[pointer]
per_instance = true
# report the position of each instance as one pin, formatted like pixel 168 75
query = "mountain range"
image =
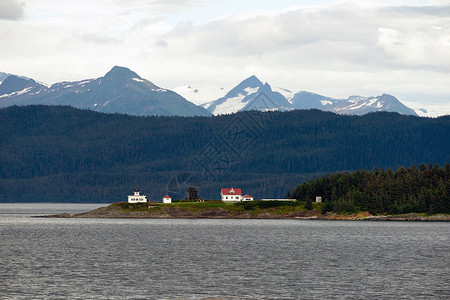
pixel 119 91
pixel 252 94
pixel 123 91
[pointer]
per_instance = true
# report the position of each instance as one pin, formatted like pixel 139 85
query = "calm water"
pixel 237 259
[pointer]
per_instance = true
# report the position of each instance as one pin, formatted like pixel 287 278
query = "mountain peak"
pixel 252 81
pixel 266 88
pixel 14 83
pixel 388 97
pixel 121 72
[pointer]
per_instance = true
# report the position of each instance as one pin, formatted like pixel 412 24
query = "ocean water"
pixel 44 258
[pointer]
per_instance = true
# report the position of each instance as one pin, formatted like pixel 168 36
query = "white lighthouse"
pixel 137 197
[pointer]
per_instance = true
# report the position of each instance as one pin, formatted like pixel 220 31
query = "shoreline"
pixel 177 212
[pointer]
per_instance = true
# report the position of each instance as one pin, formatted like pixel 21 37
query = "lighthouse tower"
pixel 137 197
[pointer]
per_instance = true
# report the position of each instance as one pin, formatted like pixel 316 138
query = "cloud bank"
pixel 11 10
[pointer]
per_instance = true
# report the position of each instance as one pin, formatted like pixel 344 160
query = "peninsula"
pixel 239 210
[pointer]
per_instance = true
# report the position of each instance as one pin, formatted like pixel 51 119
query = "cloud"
pixel 398 37
pixel 158 6
pixel 11 10
pixel 434 11
pixel 439 2
pixel 97 39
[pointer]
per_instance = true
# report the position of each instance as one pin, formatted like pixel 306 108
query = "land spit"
pixel 174 211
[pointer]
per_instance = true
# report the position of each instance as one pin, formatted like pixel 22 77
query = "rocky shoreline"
pixel 171 212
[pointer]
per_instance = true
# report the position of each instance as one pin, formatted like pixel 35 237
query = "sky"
pixel 333 48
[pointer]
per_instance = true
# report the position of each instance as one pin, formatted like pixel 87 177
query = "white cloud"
pixel 11 10
pixel 351 34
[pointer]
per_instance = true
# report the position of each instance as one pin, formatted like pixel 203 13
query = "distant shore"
pixel 184 211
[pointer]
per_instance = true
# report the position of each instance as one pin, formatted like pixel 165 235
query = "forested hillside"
pixel 53 153
pixel 423 189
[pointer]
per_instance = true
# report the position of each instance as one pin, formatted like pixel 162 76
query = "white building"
pixel 288 200
pixel 247 198
pixel 167 199
pixel 231 195
pixel 137 198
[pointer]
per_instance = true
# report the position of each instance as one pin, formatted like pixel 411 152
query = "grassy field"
pixel 240 210
pixel 250 207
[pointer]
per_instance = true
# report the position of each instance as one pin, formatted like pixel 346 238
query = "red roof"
pixel 248 196
pixel 231 192
pixel 166 196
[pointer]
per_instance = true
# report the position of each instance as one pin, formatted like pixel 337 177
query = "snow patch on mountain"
pixel 372 102
pixel 159 90
pixel 25 90
pixel 326 102
pixel 84 82
pixel 200 96
pixel 231 105
pixel 431 111
pixel 285 92
pixel 250 90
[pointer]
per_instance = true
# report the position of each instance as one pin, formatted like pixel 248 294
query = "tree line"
pixel 59 153
pixel 422 189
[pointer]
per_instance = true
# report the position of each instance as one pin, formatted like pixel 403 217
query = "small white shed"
pixel 167 199
pixel 247 198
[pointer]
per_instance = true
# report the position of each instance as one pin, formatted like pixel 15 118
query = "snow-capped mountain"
pixel 358 105
pixel 252 94
pixel 307 100
pixel 123 91
pixel 14 86
pixel 353 105
pixel 3 76
pixel 119 91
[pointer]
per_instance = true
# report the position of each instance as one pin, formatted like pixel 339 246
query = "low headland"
pixel 239 210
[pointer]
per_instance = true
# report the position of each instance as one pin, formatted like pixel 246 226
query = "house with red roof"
pixel 234 195
pixel 231 195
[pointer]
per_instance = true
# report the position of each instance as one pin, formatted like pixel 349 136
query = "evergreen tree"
pixel 308 203
pixel 192 194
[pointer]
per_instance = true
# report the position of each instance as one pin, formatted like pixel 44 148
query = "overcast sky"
pixel 334 48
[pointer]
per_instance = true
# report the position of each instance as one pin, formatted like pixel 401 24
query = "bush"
pixel 249 205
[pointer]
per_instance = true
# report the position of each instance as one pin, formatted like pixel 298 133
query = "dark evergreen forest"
pixel 425 189
pixel 57 153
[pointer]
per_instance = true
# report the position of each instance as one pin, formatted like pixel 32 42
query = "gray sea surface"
pixel 43 258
